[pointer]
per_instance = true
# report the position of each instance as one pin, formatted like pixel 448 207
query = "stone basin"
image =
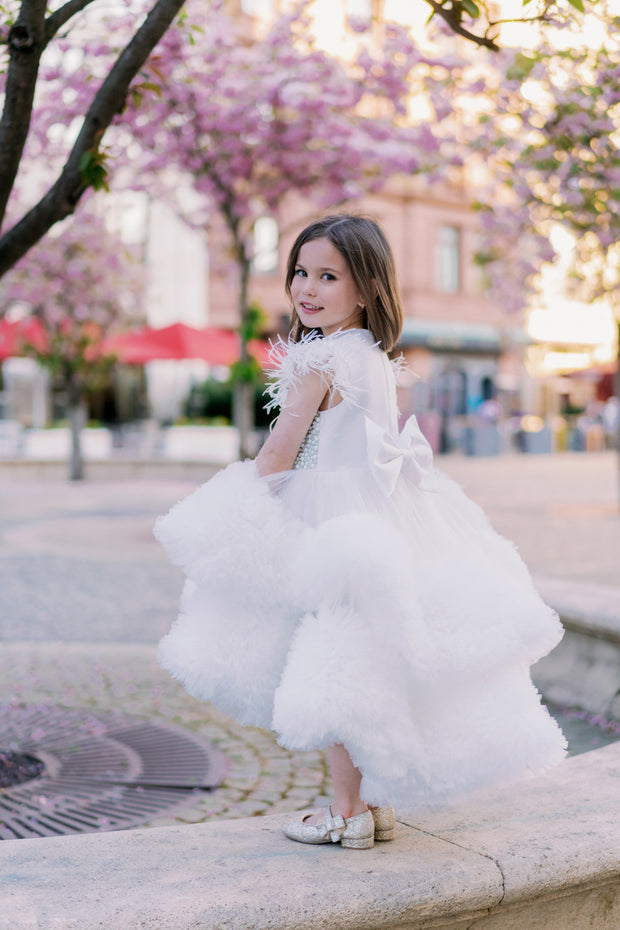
pixel 543 855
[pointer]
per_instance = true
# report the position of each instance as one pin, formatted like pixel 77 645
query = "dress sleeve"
pixel 334 358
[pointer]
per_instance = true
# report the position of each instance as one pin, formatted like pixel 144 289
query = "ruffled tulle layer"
pixel 403 627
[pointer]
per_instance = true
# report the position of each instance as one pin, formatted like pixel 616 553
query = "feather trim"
pixel 332 357
pixel 403 374
pixel 399 365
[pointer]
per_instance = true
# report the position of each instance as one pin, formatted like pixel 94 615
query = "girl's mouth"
pixel 310 308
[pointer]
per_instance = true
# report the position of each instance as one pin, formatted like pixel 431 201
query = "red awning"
pixel 212 345
pixel 179 341
pixel 14 335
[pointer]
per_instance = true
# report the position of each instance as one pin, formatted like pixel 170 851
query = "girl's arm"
pixel 303 400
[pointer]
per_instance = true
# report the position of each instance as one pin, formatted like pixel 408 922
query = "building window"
pixel 266 240
pixel 448 260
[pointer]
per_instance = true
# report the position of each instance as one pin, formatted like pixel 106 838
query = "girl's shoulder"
pixel 339 357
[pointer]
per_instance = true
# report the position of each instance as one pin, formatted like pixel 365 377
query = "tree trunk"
pixel 617 394
pixel 76 413
pixel 244 391
pixel 26 42
pixel 242 415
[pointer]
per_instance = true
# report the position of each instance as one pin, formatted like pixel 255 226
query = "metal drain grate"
pixel 102 771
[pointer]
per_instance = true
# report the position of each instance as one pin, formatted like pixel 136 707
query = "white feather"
pixel 333 357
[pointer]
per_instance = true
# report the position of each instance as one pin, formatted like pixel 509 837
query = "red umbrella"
pixel 13 336
pixel 179 341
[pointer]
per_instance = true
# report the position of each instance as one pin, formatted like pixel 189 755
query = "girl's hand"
pixel 281 448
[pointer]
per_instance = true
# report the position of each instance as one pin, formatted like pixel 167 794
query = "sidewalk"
pixel 85 593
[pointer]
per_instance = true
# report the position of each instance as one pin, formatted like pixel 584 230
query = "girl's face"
pixel 323 291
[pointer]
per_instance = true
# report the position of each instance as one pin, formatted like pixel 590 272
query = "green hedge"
pixel 213 399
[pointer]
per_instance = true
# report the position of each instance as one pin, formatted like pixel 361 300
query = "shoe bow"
pixel 334 826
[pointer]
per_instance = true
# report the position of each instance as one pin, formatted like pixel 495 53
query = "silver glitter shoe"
pixel 385 822
pixel 353 832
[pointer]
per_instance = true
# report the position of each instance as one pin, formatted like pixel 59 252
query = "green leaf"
pixel 471 8
pixel 484 258
pixel 149 85
pixel 93 170
pixel 578 5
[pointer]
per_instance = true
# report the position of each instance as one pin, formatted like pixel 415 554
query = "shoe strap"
pixel 334 826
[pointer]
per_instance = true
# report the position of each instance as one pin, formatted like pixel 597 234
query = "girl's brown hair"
pixel 363 245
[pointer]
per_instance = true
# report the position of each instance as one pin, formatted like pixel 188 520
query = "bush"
pixel 214 399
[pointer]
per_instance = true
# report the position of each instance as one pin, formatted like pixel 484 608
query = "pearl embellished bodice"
pixel 308 455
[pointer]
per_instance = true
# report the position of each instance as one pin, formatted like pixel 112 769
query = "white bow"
pixel 408 452
pixel 334 825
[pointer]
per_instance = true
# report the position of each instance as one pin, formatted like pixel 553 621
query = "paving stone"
pixel 290 807
pixel 266 797
pixel 271 782
pixel 240 784
pixel 249 808
pixel 167 821
pixel 307 781
pixel 232 795
pixel 301 795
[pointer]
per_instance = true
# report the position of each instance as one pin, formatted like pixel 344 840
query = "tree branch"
pixel 64 195
pixel 541 18
pixel 59 17
pixel 26 42
pixel 455 25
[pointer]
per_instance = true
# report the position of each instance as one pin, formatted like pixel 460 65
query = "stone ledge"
pixel 544 855
pixel 584 668
pixel 584 607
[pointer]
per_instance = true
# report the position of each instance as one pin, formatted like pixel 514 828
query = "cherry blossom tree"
pixel 29 32
pixel 547 132
pixel 79 283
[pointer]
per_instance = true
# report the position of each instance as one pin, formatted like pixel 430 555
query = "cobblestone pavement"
pixel 262 777
pixel 85 593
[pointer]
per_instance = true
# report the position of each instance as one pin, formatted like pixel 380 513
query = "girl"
pixel 344 593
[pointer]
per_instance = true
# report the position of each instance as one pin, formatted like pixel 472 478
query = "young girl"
pixel 342 592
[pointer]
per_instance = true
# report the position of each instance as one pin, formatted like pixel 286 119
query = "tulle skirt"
pixel 403 627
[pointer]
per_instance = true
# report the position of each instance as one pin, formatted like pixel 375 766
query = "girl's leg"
pixel 346 778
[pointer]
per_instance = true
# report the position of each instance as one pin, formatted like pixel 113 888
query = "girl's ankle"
pixel 349 810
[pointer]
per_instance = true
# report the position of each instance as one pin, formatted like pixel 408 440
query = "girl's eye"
pixel 299 272
pixel 328 276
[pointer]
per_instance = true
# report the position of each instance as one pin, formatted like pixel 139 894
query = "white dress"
pixel 362 598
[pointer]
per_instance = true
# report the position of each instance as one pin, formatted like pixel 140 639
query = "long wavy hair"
pixel 363 245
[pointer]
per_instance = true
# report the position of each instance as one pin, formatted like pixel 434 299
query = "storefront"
pixel 572 357
pixel 462 372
